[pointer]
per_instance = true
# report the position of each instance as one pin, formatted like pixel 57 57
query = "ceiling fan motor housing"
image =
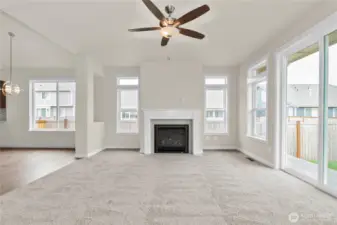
pixel 169 21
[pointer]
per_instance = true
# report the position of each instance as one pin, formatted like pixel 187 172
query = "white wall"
pixel 15 132
pixel 29 48
pixel 89 136
pixel 112 139
pixel 268 151
pixel 163 85
pixel 99 99
pixel 171 85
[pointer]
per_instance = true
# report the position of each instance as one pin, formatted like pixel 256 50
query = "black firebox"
pixel 171 138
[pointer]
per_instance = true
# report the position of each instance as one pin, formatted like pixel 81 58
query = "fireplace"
pixel 171 138
pixel 152 117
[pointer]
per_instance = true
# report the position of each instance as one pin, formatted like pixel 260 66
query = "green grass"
pixel 332 164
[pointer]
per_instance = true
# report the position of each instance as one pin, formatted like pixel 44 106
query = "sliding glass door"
pixel 302 122
pixel 310 110
pixel 330 108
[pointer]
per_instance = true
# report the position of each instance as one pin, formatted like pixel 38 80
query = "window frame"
pixel 32 107
pixel 216 87
pixel 119 119
pixel 253 81
pixel 129 119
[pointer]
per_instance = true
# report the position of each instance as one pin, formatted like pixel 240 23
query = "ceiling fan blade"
pixel 164 41
pixel 191 33
pixel 153 8
pixel 192 15
pixel 144 29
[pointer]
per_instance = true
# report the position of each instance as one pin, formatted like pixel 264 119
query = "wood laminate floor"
pixel 19 167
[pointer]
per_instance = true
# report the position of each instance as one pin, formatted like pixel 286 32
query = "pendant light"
pixel 9 88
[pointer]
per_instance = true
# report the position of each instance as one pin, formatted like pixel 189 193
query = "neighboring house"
pixel 303 100
pixel 45 101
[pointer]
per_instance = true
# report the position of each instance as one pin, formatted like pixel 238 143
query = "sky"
pixel 306 70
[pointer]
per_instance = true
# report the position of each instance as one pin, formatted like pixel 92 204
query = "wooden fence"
pixel 302 138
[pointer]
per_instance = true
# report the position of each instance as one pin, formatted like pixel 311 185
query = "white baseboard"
pixel 94 152
pixel 197 154
pixel 121 148
pixel 220 147
pixel 257 158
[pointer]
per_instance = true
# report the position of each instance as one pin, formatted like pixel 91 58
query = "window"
pixel 257 101
pixel 215 105
pixel 52 105
pixel 127 105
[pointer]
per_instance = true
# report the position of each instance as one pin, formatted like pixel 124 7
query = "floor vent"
pixel 250 159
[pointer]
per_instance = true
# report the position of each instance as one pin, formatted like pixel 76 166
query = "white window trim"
pixel 32 108
pixel 223 87
pixel 119 88
pixel 251 100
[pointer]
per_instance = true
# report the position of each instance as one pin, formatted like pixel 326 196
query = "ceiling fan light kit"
pixel 169 31
pixel 169 26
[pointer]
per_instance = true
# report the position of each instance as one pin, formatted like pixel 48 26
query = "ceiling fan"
pixel 170 26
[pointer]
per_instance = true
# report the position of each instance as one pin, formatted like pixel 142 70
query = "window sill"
pixel 52 130
pixel 259 139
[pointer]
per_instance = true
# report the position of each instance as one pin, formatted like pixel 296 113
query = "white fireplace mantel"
pixel 151 115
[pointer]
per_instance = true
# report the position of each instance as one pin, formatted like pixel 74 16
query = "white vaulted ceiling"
pixel 233 28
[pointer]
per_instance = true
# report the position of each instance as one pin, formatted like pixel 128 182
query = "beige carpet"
pixel 116 188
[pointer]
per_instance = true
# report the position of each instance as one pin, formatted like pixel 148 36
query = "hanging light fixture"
pixel 9 88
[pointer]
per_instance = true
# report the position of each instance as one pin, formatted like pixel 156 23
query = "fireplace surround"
pixel 150 118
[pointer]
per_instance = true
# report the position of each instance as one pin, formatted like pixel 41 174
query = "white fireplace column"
pixel 194 115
